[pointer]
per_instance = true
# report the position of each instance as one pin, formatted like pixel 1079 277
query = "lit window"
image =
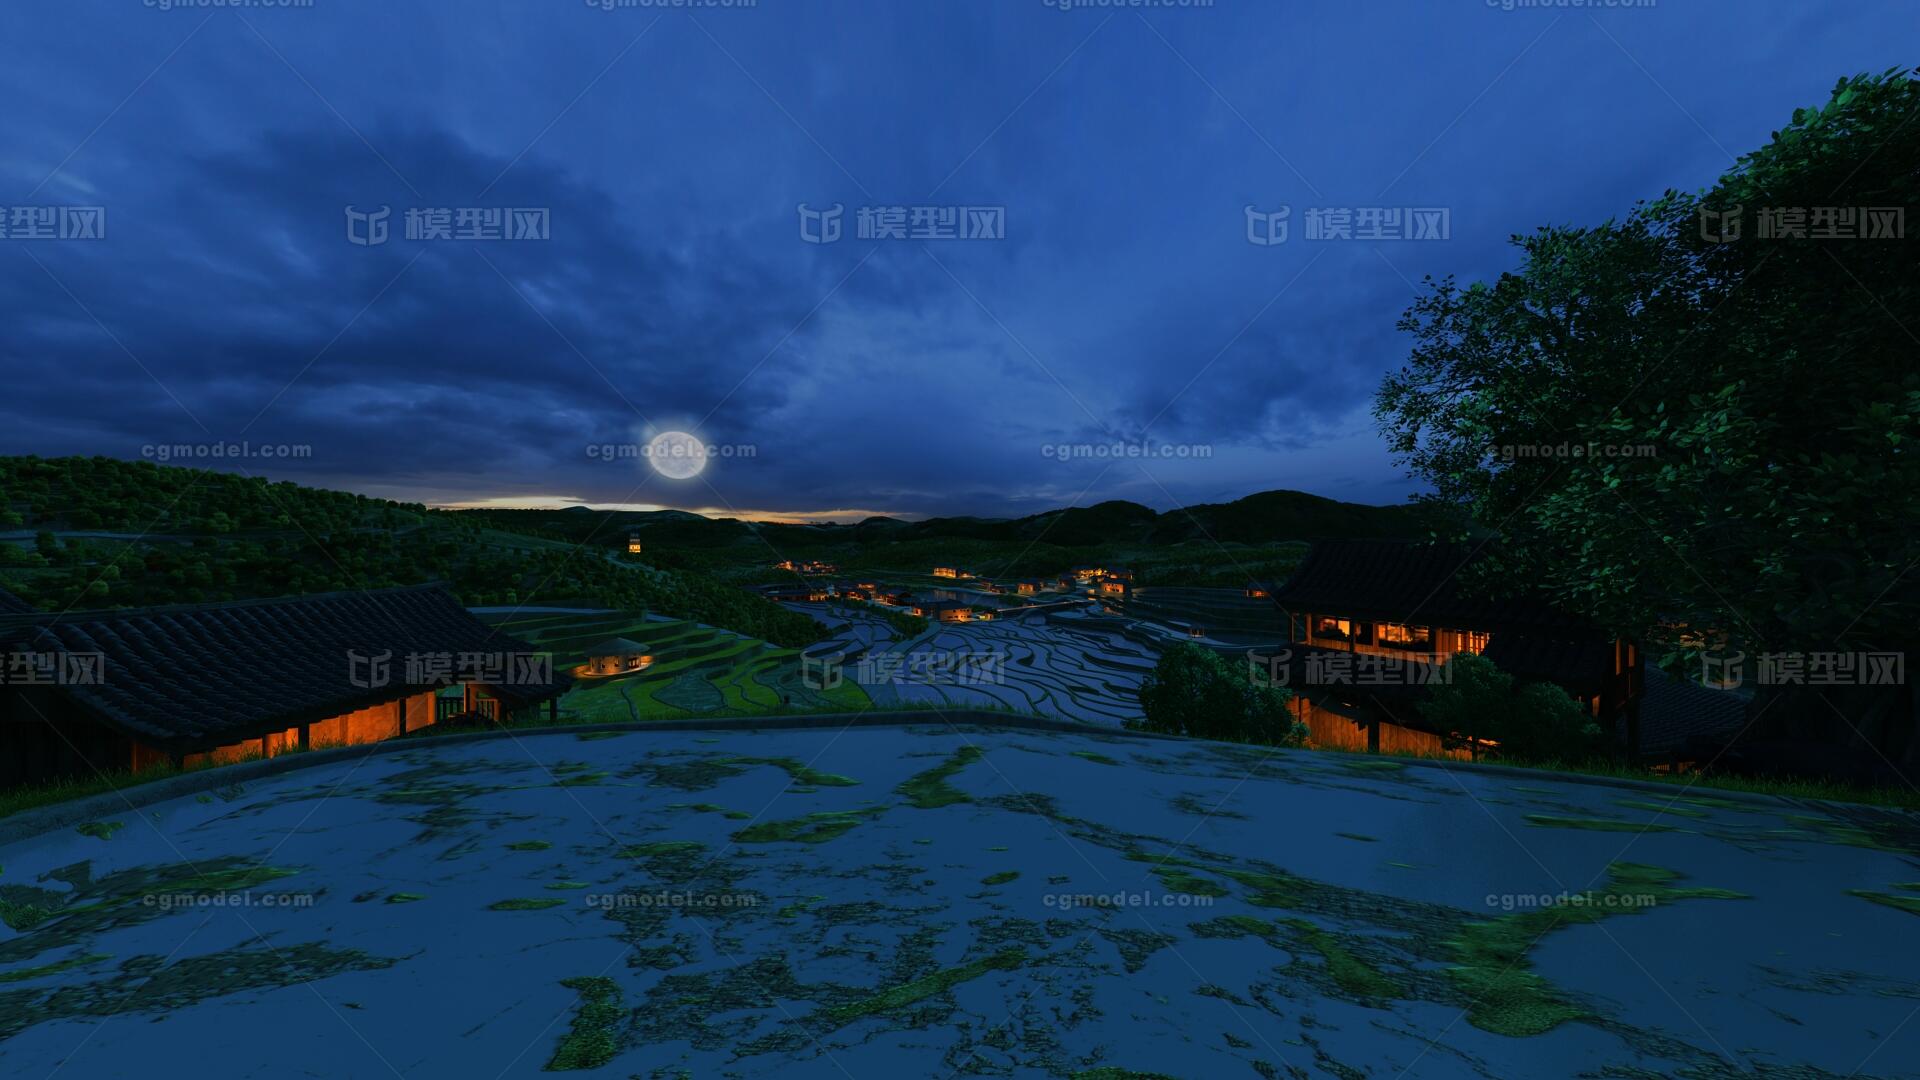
pixel 1402 636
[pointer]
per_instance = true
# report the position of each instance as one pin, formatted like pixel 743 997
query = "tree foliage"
pixel 1194 692
pixel 1534 721
pixel 1738 415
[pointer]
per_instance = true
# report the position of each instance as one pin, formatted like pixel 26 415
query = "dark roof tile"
pixel 196 676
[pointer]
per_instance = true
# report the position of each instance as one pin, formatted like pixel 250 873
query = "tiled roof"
pixel 614 646
pixel 1410 582
pixel 1681 717
pixel 196 676
pixel 1578 664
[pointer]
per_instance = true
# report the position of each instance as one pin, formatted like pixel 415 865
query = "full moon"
pixel 677 455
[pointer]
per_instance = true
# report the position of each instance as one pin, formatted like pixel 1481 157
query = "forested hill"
pixel 1267 517
pixel 98 532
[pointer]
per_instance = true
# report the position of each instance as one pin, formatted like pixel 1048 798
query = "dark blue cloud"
pixel 670 149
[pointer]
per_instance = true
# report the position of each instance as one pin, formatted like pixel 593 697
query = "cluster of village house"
pixel 215 682
pixel 1104 581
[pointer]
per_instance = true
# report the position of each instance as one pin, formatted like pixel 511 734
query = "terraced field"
pixel 698 670
pixel 938 901
pixel 1030 664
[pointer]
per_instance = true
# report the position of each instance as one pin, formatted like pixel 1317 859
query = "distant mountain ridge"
pixel 1264 517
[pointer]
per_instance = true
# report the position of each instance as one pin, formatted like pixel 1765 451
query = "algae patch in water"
pixel 930 791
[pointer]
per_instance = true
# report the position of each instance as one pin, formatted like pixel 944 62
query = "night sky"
pixel 666 152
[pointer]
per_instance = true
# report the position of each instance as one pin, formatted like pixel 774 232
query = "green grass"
pixel 100 830
pixel 801 773
pixel 55 968
pixel 1348 971
pixel 591 1043
pixel 1676 807
pixel 1182 881
pixel 529 845
pixel 906 994
pixel 404 898
pixel 1908 904
pixel 1491 965
pixel 811 829
pixel 539 903
pixel 930 791
pixel 1000 878
pixel 653 848
pixel 1553 821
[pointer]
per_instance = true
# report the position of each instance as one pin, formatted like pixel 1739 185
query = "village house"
pixel 614 656
pixel 1372 621
pixel 1028 587
pixel 633 542
pixel 107 691
pixel 951 611
pixel 794 593
pixel 807 567
pixel 946 572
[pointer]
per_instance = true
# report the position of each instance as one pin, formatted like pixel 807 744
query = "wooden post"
pixel 1373 734
pixel 553 710
pixel 403 716
pixel 306 741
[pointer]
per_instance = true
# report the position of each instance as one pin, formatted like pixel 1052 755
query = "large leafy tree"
pixel 1700 438
pixel 1534 721
pixel 1193 691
